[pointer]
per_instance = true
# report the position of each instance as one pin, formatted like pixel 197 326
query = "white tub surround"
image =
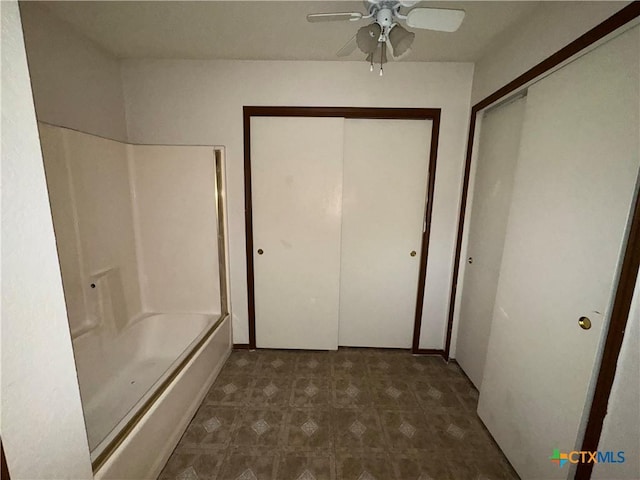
pixel 146 447
pixel 117 372
pixel 141 235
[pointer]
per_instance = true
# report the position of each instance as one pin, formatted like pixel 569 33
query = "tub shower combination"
pixel 141 238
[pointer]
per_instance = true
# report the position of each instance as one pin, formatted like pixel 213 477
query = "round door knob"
pixel 260 251
pixel 413 253
pixel 584 323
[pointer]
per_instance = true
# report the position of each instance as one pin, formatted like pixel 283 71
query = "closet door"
pixel 496 165
pixel 574 186
pixel 296 169
pixel 385 187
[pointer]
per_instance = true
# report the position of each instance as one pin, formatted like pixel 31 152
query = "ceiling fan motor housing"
pixel 384 17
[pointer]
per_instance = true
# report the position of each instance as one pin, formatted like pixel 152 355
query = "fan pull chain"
pixel 382 55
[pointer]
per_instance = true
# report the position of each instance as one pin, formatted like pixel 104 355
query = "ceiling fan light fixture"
pixel 401 40
pixel 367 38
pixel 378 56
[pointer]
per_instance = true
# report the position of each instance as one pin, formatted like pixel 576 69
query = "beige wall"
pixel 552 26
pixel 42 427
pixel 76 83
pixel 200 102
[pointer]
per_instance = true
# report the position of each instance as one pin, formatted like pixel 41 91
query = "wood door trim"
pixel 4 469
pixel 432 114
pixel 631 259
pixel 613 343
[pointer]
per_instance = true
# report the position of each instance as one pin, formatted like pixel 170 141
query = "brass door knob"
pixel 413 253
pixel 584 323
pixel 260 251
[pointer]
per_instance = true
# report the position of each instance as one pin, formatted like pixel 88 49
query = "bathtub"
pixel 120 374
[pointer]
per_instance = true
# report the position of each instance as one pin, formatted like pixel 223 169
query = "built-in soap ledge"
pixel 111 304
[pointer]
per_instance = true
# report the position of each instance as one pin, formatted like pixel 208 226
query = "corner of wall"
pixel 549 28
pixel 43 432
pixel 72 76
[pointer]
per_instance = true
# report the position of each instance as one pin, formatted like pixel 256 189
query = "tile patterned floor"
pixel 354 414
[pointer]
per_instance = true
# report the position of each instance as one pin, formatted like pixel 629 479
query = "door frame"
pixel 628 274
pixel 432 114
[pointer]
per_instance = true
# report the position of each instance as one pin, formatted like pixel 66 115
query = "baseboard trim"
pixel 430 351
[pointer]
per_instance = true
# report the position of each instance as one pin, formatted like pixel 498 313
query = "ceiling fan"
pixel 374 38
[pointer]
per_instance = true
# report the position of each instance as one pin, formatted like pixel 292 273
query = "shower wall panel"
pixel 136 227
pixel 91 205
pixel 175 201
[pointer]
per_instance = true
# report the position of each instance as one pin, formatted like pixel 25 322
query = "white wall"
pixel 76 83
pixel 42 427
pixel 552 26
pixel 621 430
pixel 200 102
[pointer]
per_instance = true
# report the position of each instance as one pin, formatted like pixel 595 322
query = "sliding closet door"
pixel 296 169
pixel 385 187
pixel 573 189
pixel 497 157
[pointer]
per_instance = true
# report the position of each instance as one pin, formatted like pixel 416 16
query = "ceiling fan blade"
pixel 333 17
pixel 438 19
pixel 348 48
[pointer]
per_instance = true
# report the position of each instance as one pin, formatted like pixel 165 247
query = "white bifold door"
pixel 338 209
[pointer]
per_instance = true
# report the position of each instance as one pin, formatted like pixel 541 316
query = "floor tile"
pixel 296 466
pixel 193 465
pixel 364 467
pixel 211 427
pixel 350 391
pixel 276 362
pixel 349 363
pixel 271 391
pixel 393 393
pixel 312 364
pixel 436 395
pixel 242 362
pixel 249 465
pixel 425 468
pixel 406 431
pixel 230 390
pixel 260 427
pixel 356 413
pixel 358 429
pixel 308 430
pixel 311 391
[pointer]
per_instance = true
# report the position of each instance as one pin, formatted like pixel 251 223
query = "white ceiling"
pixel 269 30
